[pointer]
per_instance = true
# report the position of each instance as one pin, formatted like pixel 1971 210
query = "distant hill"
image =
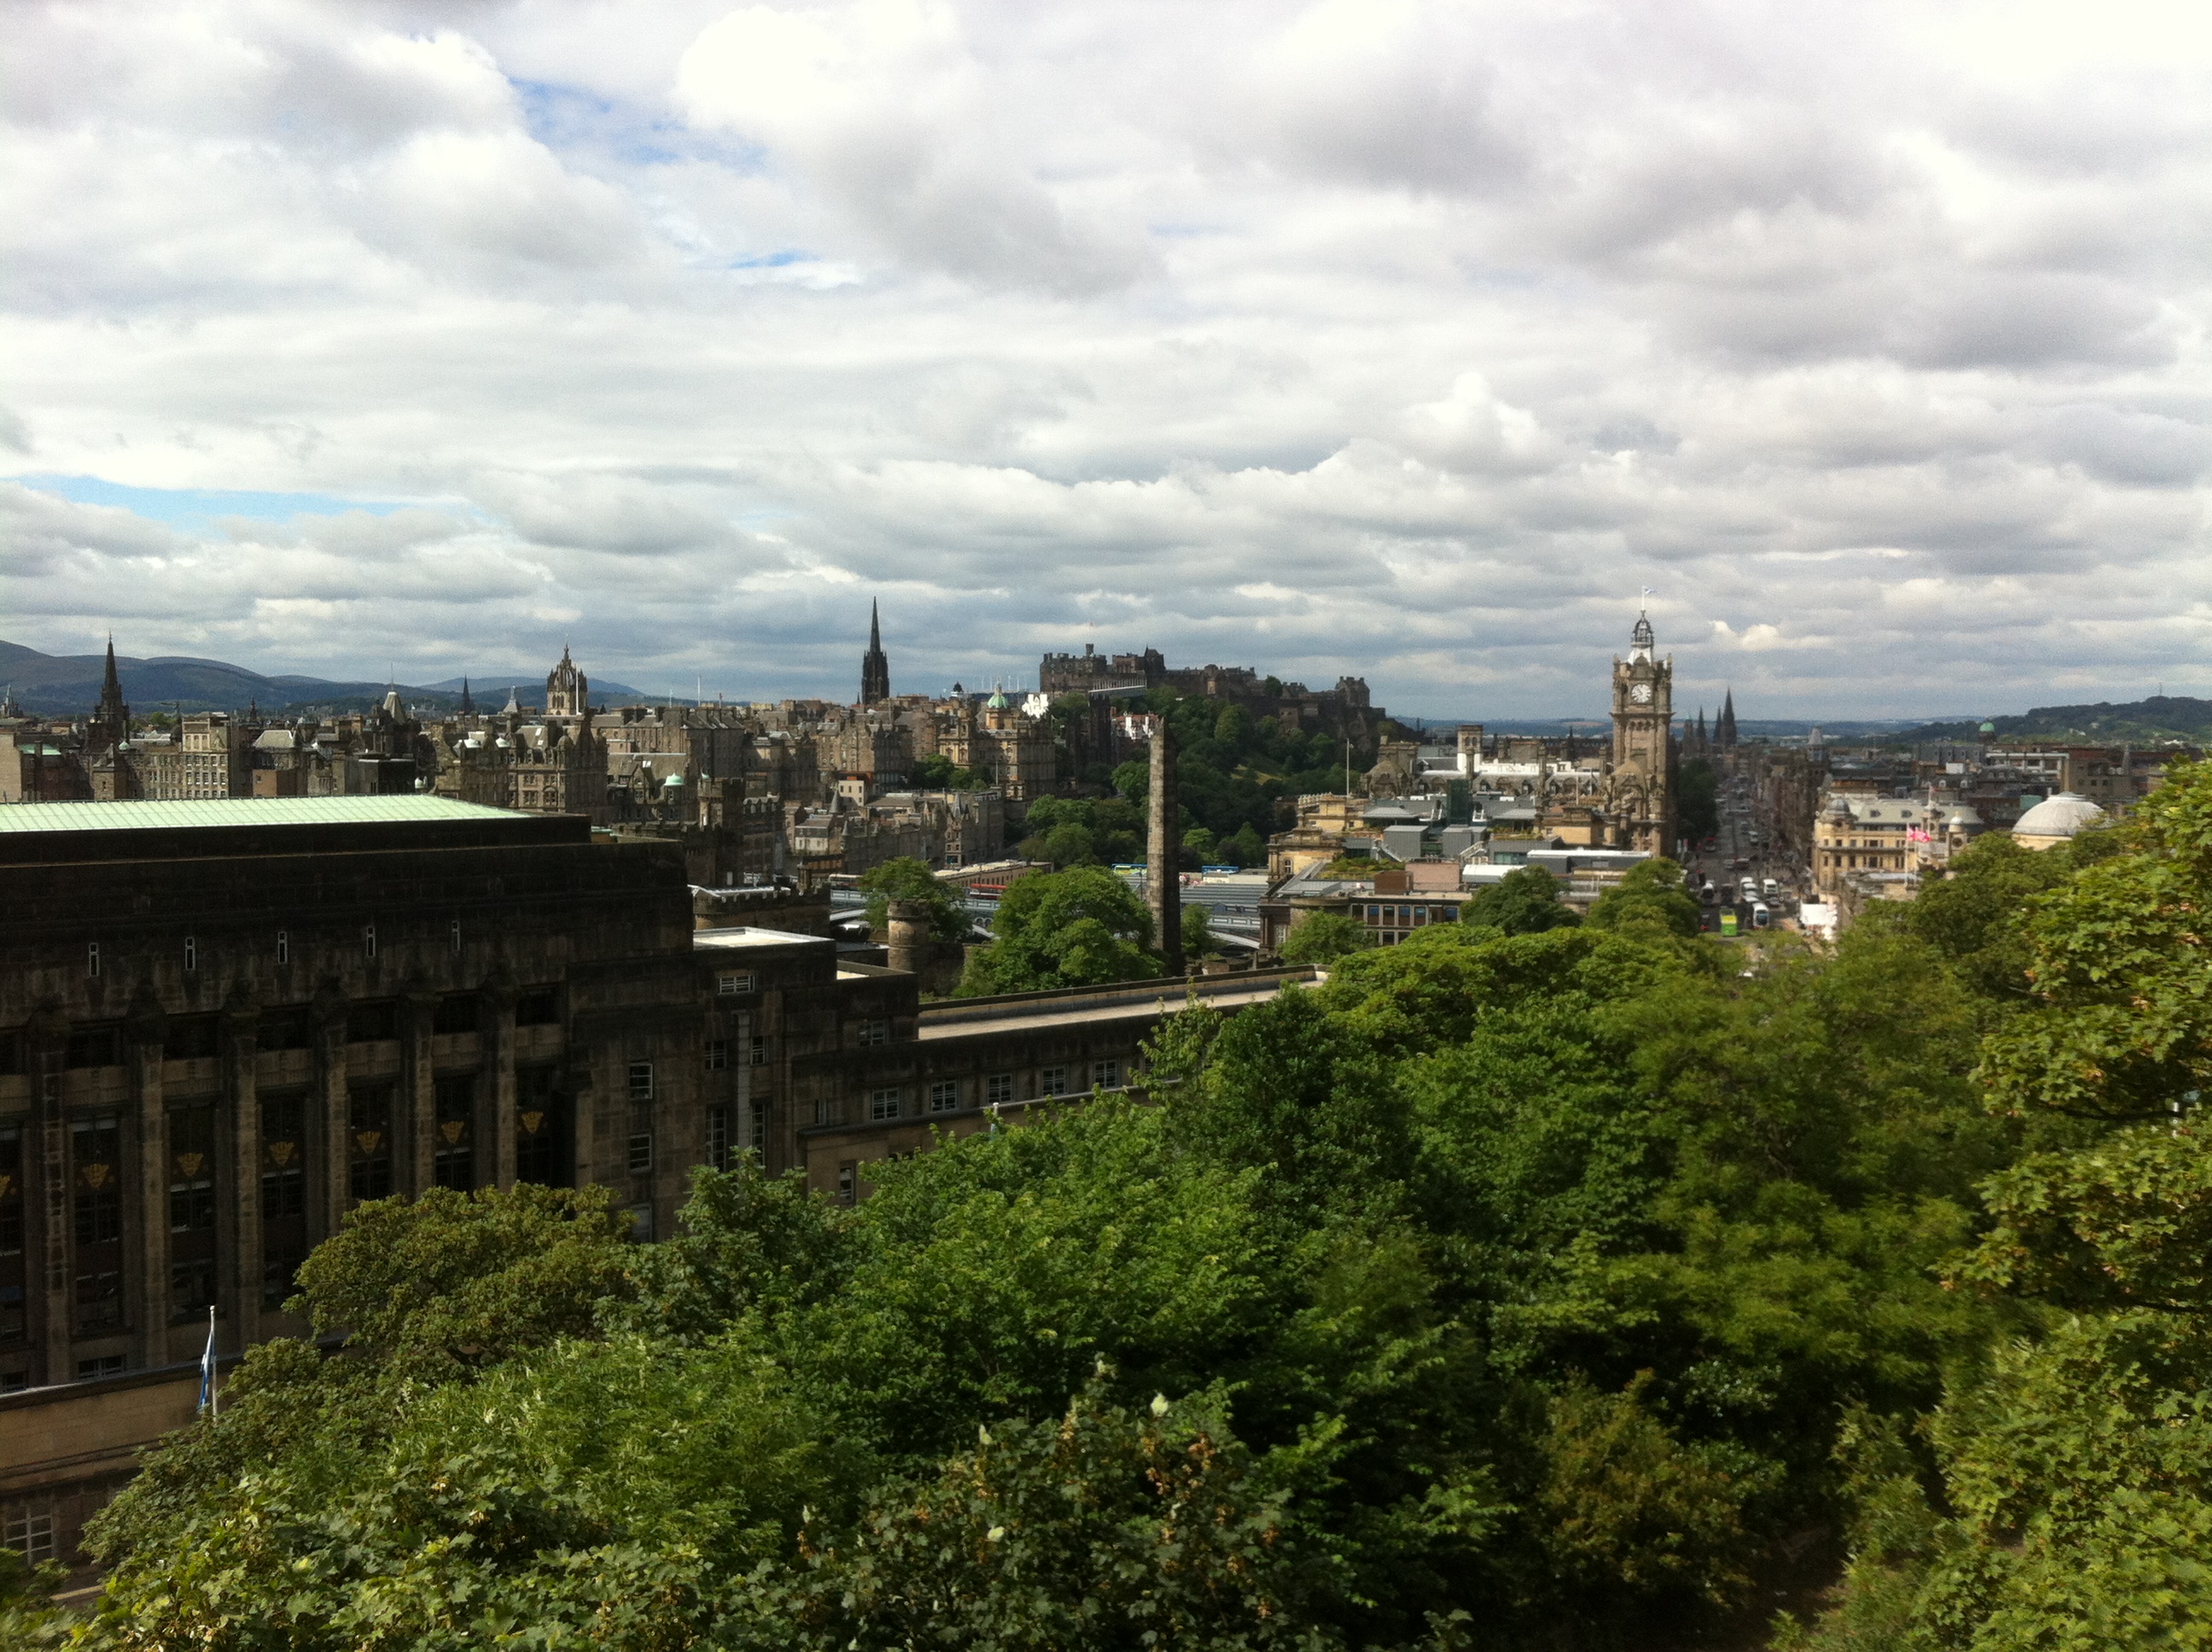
pixel 2136 722
pixel 65 685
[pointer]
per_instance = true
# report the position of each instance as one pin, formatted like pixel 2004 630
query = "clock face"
pixel 1641 693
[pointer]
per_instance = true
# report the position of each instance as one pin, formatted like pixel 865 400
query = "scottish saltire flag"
pixel 206 1368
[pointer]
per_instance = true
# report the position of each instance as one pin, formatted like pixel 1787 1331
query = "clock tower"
pixel 1640 790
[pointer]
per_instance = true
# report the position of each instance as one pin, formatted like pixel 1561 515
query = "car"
pixel 1762 916
pixel 1771 888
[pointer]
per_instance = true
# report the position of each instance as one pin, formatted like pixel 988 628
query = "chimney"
pixel 1164 851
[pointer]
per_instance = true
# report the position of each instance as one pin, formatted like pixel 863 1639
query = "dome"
pixel 1988 728
pixel 997 701
pixel 2060 816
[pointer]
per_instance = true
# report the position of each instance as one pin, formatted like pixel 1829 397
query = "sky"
pixel 1411 342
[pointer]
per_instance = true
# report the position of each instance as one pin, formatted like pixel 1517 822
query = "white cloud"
pixel 1400 339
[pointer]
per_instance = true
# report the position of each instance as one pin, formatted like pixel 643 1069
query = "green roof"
pixel 140 816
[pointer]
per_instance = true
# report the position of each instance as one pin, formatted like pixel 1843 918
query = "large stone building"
pixel 1639 789
pixel 224 1023
pixel 1344 710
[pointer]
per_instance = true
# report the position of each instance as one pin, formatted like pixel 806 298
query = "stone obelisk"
pixel 1163 852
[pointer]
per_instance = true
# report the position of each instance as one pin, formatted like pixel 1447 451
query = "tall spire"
pixel 1724 728
pixel 875 668
pixel 111 721
pixel 468 706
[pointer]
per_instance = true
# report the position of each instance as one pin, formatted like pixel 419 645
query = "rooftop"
pixel 744 937
pixel 142 816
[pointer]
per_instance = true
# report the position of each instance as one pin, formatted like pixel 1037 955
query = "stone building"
pixel 1639 790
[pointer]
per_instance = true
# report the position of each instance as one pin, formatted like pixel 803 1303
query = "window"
pixel 191 955
pixel 1052 1081
pixel 944 1095
pixel 997 1088
pixel 878 1031
pixel 759 1051
pixel 99 1300
pixel 883 1103
pixel 718 1054
pixel 371 1024
pixel 286 1029
pixel 718 1138
pixel 192 1170
pixel 731 985
pixel 538 1007
pixel 101 1365
pixel 191 1287
pixel 32 1535
pixel 14 1382
pixel 458 1012
pixel 640 1081
pixel 193 1038
pixel 11 1190
pixel 822 1109
pixel 848 1178
pixel 456 934
pixel 283 946
pixel 368 940
pixel 92 959
pixel 99 1152
pixel 640 1224
pixel 453 1151
pixel 759 1110
pixel 1107 1075
pixel 93 1047
pixel 368 1145
pixel 540 1154
pixel 640 1152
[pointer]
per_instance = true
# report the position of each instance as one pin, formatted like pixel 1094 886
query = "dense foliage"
pixel 908 878
pixel 1081 927
pixel 1525 1285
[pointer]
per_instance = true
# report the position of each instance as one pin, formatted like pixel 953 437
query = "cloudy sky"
pixel 1410 341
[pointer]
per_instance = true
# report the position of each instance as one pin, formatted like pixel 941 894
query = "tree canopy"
pixel 908 877
pixel 1081 927
pixel 1527 900
pixel 1579 1287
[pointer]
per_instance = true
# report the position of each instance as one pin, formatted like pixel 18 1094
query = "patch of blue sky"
pixel 196 510
pixel 569 120
pixel 776 260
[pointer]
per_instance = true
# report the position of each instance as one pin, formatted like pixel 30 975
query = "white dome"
pixel 2061 816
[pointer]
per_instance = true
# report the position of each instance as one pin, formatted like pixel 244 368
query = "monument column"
pixel 1164 851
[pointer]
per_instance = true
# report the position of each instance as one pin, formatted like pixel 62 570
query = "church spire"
pixel 468 706
pixel 113 719
pixel 875 667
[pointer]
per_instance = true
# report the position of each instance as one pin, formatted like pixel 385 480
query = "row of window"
pixel 195 1037
pixel 718 1053
pixel 191 948
pixel 942 1095
pixel 1405 917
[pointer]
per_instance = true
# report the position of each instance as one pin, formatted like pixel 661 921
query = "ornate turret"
pixel 875 666
pixel 567 691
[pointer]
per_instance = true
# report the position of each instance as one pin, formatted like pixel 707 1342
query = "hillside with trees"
pixel 2136 722
pixel 1526 1285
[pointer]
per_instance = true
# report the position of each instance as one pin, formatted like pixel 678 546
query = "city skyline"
pixel 1407 341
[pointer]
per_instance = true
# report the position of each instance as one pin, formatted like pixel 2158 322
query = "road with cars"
pixel 1738 873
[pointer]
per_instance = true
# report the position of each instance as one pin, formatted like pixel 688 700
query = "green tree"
pixel 937 773
pixel 908 877
pixel 1198 940
pixel 1525 902
pixel 1651 894
pixel 1322 938
pixel 1076 928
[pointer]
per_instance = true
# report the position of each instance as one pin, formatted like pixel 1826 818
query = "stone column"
pixel 418 1093
pixel 47 1037
pixel 1163 852
pixel 909 925
pixel 337 1195
pixel 496 1088
pixel 146 1299
pixel 243 1276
